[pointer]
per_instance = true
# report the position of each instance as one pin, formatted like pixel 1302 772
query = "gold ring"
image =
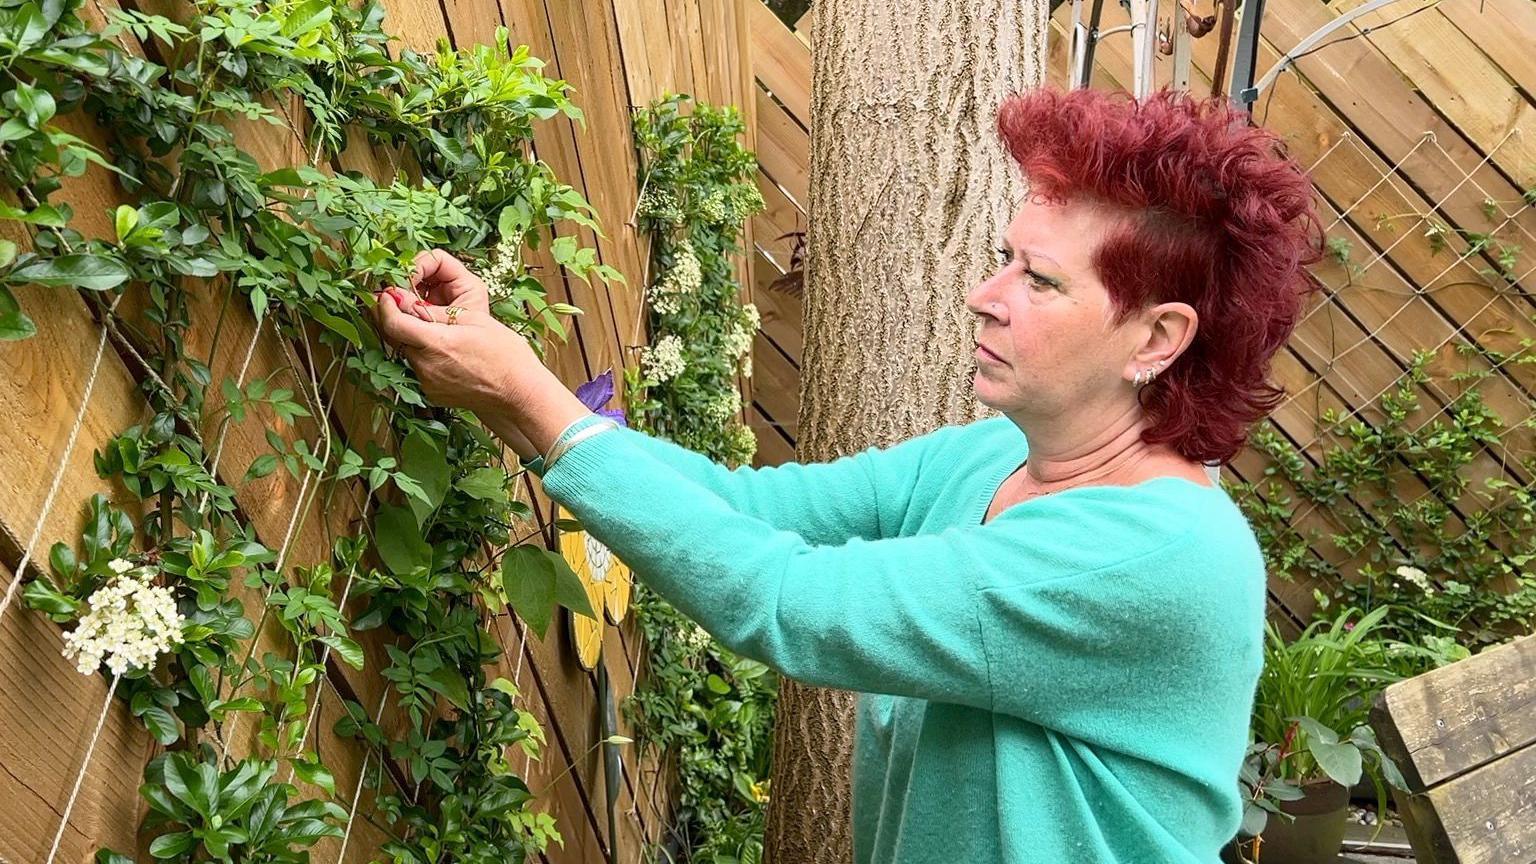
pixel 453 314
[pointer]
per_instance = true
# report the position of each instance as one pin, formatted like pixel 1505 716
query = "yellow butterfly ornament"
pixel 608 582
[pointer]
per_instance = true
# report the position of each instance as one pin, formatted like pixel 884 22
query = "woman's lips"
pixel 983 354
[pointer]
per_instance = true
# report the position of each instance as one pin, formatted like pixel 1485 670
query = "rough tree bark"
pixel 909 190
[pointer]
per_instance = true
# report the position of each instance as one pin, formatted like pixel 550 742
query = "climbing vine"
pixel 218 643
pixel 1430 518
pixel 696 190
pixel 708 709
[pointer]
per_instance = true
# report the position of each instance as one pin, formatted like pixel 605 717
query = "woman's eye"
pixel 1041 282
pixel 1003 256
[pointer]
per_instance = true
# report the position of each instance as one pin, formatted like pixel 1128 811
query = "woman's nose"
pixel 980 300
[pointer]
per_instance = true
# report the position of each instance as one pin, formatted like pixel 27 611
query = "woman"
pixel 1053 617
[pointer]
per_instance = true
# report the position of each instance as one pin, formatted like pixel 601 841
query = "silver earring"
pixel 1140 378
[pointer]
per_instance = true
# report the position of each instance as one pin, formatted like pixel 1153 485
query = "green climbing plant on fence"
pixel 218 643
pixel 1423 497
pixel 707 709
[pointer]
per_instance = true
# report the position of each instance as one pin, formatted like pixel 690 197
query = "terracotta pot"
pixel 1317 832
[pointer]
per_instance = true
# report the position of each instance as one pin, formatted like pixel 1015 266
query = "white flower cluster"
pixel 663 301
pixel 131 622
pixel 682 278
pixel 1417 577
pixel 664 360
pixel 506 260
pixel 746 365
pixel 697 638
pixel 750 317
pixel 660 205
pixel 737 341
pixel 746 199
pixel 723 406
pixel 732 205
pixel 741 443
pixel 714 207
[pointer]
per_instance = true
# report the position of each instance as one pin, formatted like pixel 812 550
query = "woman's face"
pixel 1046 338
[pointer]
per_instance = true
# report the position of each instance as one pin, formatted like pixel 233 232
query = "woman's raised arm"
pixel 826 503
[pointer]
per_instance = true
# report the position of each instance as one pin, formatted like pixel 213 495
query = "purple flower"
pixel 595 394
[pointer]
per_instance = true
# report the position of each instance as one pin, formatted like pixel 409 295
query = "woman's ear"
pixel 1171 327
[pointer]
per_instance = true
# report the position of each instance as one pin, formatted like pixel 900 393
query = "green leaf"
pixel 32 25
pixel 107 856
pixel 42 596
pixel 447 681
pixel 46 215
pixel 1317 731
pixel 91 272
pixel 351 653
pixel 7 252
pixel 161 724
pixel 261 466
pixel 36 104
pixel 1255 819
pixel 569 592
pixel 422 458
pixel 400 544
pixel 716 684
pixel 125 220
pixel 306 18
pixel 341 326
pixel 221 708
pixel 172 845
pixel 202 682
pixel 1341 762
pixel 563 249
pixel 484 484
pixel 514 220
pixel 529 581
pixel 184 778
pixel 312 772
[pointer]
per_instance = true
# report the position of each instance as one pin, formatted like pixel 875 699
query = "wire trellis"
pixel 1360 341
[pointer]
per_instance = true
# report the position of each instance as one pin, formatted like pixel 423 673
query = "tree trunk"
pixel 909 191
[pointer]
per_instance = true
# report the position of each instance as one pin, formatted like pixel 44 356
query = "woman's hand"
pixel 469 359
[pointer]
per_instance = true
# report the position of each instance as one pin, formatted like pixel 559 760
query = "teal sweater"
pixel 1068 683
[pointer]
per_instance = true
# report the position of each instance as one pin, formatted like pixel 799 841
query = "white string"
pixel 90 751
pixel 1403 235
pixel 111 691
pixel 218 450
pixel 58 475
pixel 1460 328
pixel 1386 176
pixel 325 653
pixel 362 774
pixel 293 520
pixel 227 737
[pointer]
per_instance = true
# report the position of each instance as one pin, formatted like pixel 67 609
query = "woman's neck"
pixel 1064 456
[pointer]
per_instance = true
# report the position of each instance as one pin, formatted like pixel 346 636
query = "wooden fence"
pixel 71 389
pixel 1416 119
pixel 781 92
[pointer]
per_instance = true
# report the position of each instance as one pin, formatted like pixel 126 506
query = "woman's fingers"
pixel 440 314
pixel 398 327
pixel 445 281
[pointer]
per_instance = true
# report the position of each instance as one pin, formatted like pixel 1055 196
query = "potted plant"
pixel 1312 742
